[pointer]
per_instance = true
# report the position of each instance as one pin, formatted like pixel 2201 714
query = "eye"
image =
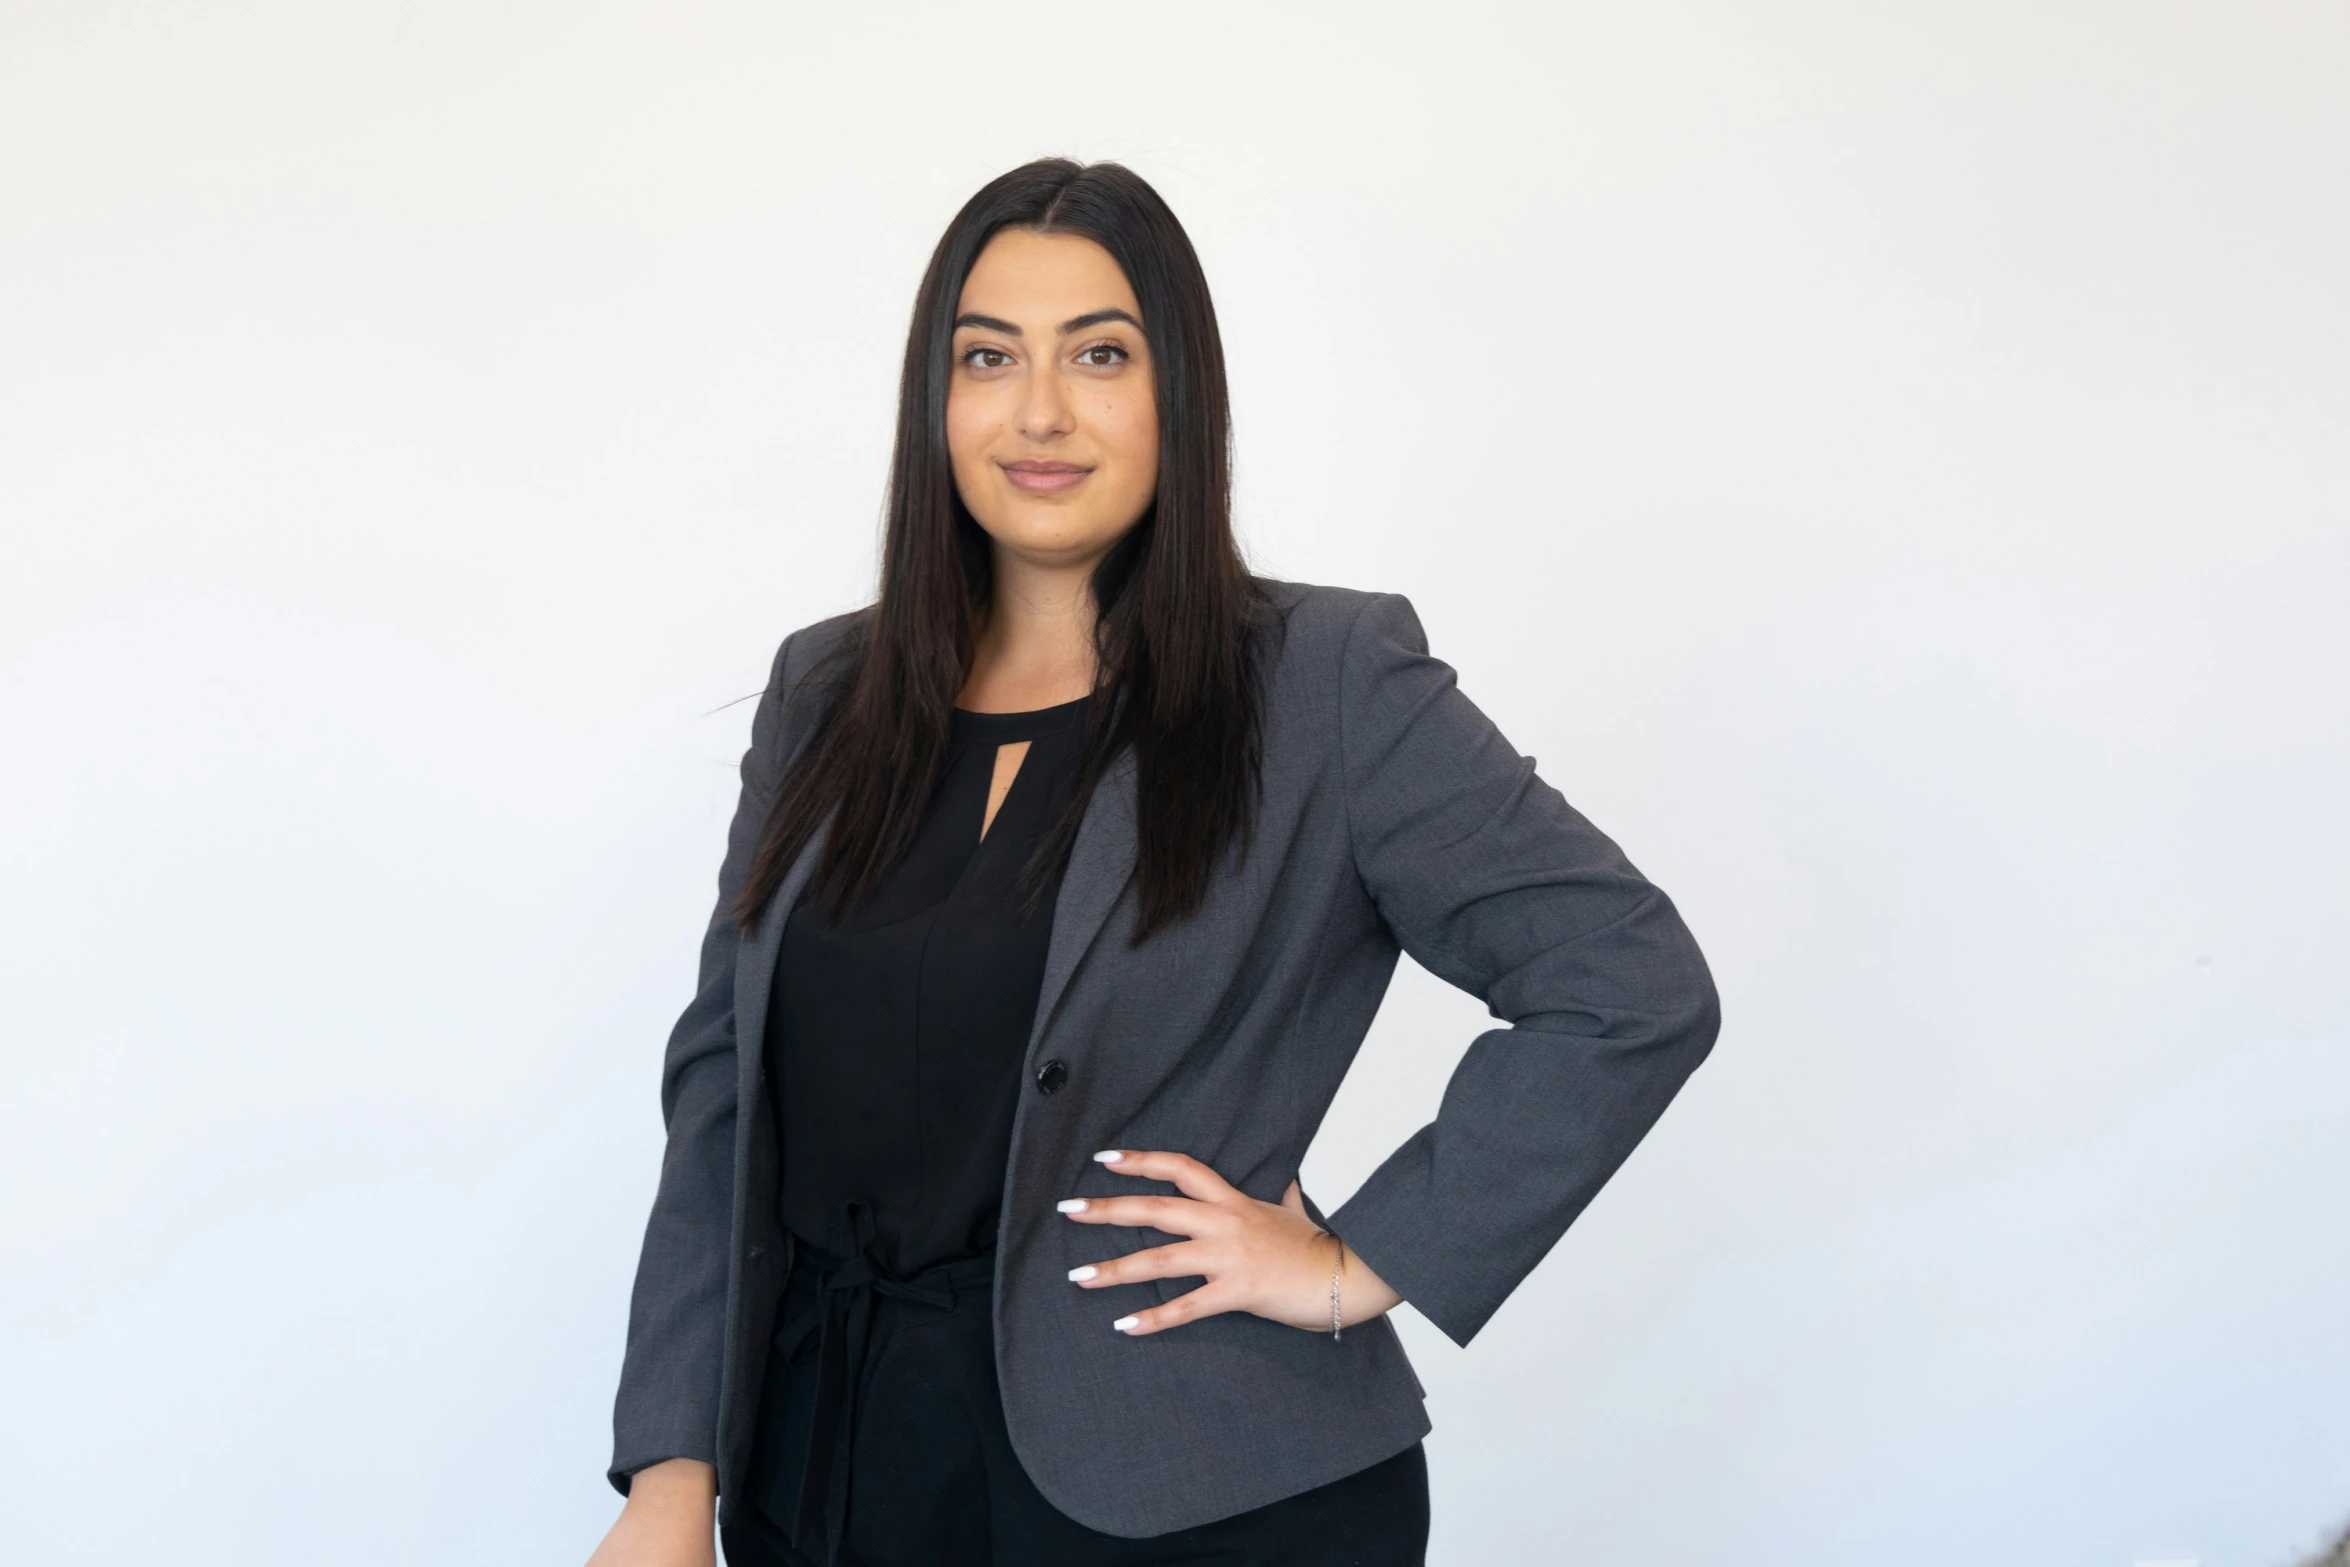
pixel 985 358
pixel 1093 355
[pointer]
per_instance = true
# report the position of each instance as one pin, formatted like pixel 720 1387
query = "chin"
pixel 1052 538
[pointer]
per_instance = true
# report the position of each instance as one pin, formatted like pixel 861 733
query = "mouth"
pixel 1038 476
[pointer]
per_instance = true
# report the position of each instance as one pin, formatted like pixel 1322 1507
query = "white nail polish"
pixel 1125 1323
pixel 1070 1205
pixel 1110 1156
pixel 1080 1275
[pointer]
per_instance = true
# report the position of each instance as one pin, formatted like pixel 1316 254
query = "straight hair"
pixel 1178 613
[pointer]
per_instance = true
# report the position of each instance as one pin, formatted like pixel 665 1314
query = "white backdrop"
pixel 1886 462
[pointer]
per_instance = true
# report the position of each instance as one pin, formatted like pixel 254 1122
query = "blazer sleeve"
pixel 667 1405
pixel 1489 879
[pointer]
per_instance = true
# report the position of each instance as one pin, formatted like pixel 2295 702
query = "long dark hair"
pixel 1177 609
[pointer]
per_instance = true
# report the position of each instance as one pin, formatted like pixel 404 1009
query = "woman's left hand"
pixel 1261 1257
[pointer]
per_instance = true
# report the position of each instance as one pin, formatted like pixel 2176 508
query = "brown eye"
pixel 1095 356
pixel 992 358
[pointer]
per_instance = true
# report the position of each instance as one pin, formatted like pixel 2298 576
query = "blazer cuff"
pixel 1406 1261
pixel 658 1448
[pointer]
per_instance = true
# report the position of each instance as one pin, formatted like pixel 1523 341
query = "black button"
pixel 1051 1075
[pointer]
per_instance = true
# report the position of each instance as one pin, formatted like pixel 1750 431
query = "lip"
pixel 1038 476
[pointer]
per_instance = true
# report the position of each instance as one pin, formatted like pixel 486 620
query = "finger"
pixel 1175 1215
pixel 1191 1177
pixel 1206 1301
pixel 1179 1260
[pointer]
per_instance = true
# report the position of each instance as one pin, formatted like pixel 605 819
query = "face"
pixel 1051 419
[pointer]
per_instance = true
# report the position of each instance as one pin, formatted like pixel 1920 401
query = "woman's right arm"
pixel 668 1520
pixel 665 1418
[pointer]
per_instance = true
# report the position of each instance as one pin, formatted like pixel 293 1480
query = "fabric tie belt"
pixel 848 1279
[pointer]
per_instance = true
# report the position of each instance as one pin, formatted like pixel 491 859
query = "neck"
pixel 1036 645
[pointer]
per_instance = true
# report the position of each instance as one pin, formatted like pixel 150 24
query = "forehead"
pixel 1039 279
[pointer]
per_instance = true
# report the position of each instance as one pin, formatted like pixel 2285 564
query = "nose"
pixel 1046 409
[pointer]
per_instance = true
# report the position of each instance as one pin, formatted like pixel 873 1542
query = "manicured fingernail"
pixel 1070 1205
pixel 1110 1155
pixel 1126 1324
pixel 1080 1275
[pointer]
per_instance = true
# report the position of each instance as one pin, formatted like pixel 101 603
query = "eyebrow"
pixel 1073 324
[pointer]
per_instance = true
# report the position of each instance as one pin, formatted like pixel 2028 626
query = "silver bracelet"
pixel 1339 1263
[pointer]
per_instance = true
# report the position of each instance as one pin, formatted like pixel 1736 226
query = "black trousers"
pixel 880 1420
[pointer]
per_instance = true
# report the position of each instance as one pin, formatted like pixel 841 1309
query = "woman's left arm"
pixel 1493 882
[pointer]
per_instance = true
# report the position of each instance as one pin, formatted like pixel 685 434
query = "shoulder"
pixel 1315 630
pixel 1323 631
pixel 808 666
pixel 815 652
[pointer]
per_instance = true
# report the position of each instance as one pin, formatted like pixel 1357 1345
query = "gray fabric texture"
pixel 1395 816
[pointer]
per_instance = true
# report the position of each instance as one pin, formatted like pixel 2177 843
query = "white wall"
pixel 1887 462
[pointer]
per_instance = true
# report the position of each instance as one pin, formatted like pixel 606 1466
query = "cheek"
pixel 1134 430
pixel 971 428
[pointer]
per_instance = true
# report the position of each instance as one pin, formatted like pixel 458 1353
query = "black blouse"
pixel 899 1032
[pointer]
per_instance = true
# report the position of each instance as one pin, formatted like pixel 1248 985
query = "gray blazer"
pixel 1394 815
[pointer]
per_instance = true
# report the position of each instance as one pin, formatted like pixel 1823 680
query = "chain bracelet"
pixel 1335 1266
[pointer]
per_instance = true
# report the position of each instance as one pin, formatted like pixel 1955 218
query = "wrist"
pixel 674 1485
pixel 1362 1294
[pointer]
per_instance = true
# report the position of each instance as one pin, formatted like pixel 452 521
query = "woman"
pixel 1064 883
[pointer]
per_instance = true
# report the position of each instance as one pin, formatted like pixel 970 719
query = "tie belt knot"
pixel 846 1280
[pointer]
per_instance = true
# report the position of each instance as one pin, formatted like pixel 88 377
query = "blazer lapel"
pixel 754 964
pixel 1101 862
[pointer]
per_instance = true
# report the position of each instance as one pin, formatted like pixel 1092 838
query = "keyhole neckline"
pixel 973 728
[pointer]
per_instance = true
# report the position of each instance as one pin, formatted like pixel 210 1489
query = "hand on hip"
pixel 1268 1258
